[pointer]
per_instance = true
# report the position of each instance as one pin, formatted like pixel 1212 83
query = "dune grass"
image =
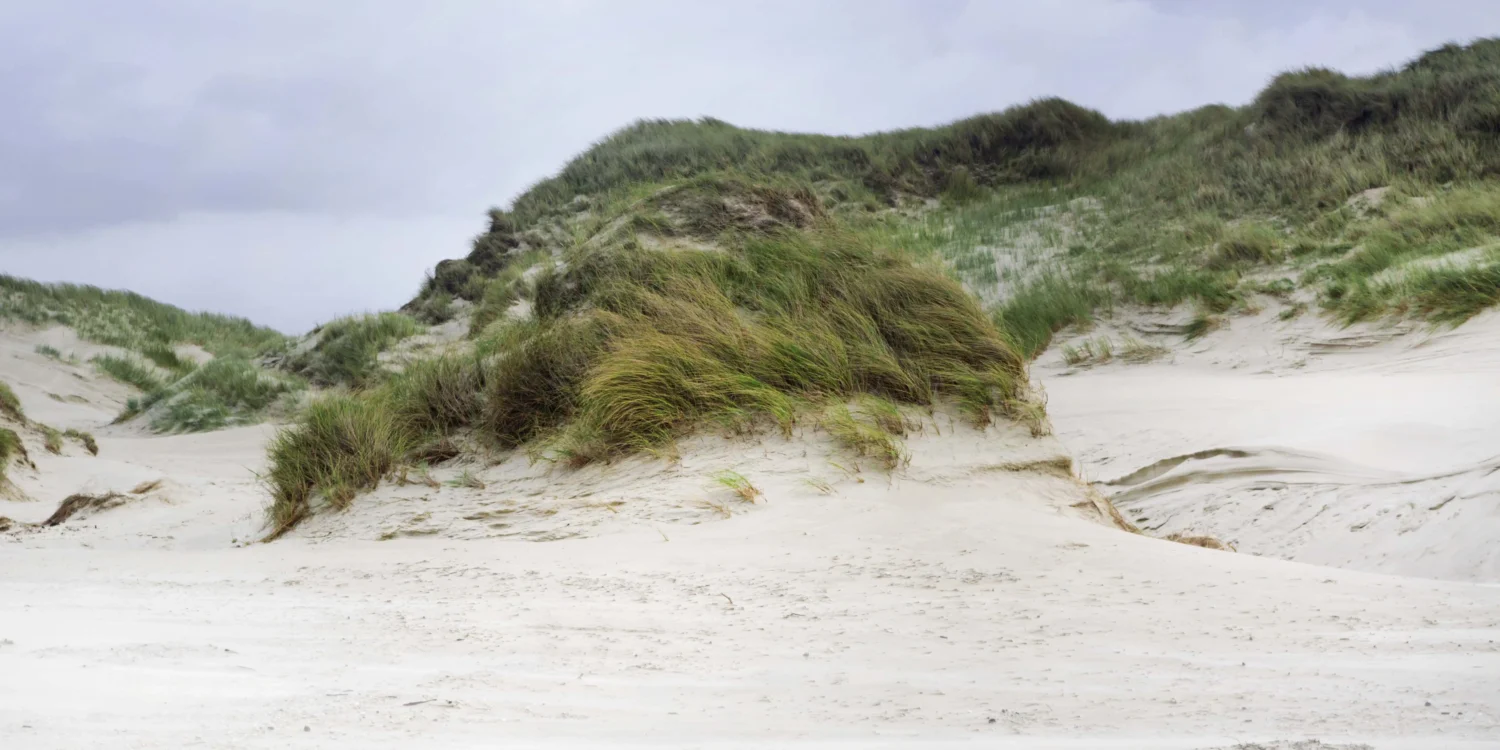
pixel 10 404
pixel 348 349
pixel 871 427
pixel 52 440
pixel 702 281
pixel 1052 212
pixel 131 371
pixel 11 447
pixel 52 352
pixel 128 320
pixel 151 333
pixel 736 483
pixel 340 445
pixel 633 347
pixel 223 392
pixel 86 439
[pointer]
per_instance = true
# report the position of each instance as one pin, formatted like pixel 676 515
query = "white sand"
pixel 1352 448
pixel 959 603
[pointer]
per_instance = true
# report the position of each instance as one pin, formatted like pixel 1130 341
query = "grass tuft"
pixel 11 448
pixel 632 348
pixel 130 371
pixel 52 440
pixel 338 446
pixel 85 439
pixel 872 429
pixel 737 483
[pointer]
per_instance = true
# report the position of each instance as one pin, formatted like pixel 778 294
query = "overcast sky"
pixel 291 160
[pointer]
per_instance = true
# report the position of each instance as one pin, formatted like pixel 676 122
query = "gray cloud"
pixel 249 147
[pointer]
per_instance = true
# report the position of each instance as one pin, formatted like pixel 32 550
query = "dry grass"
pixel 147 487
pixel 86 439
pixel 1206 542
pixel 466 480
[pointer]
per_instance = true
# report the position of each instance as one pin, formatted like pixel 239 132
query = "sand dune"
pixel 972 599
pixel 1369 449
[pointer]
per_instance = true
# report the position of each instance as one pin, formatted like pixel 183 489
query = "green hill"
pixel 683 274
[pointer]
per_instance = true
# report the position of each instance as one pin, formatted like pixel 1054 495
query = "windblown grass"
pixel 1051 211
pixel 10 404
pixel 1188 203
pixel 872 428
pixel 736 483
pixel 347 350
pixel 633 347
pixel 128 320
pixel 340 445
pixel 50 352
pixel 52 440
pixel 131 371
pixel 86 439
pixel 11 447
pixel 223 392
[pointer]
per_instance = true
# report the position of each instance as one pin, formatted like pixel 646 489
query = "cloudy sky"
pixel 292 161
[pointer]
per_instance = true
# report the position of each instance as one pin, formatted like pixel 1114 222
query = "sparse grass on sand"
pixel 52 352
pixel 872 428
pixel 736 483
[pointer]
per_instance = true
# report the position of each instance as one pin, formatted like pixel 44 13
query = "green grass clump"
pixel 737 483
pixel 873 428
pixel 50 352
pixel 1033 313
pixel 165 356
pixel 11 447
pixel 501 292
pixel 339 445
pixel 1432 256
pixel 10 404
pixel 348 349
pixel 223 392
pixel 632 347
pixel 52 440
pixel 1242 244
pixel 130 371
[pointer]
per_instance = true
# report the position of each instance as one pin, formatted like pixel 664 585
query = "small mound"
pixel 631 347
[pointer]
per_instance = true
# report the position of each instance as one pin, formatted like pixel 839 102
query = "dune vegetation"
pixel 228 389
pixel 683 274
pixel 633 343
